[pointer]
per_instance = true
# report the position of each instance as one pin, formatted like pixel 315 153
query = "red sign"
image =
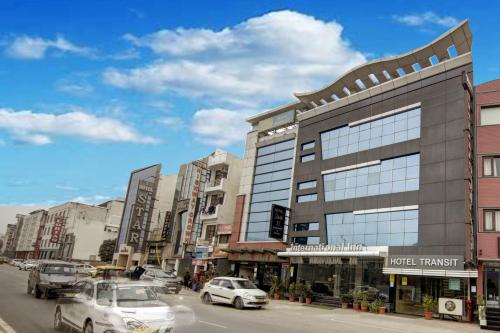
pixel 56 229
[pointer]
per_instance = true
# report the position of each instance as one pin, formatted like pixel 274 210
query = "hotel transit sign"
pixel 432 262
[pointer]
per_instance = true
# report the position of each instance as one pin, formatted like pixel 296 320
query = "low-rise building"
pixel 9 248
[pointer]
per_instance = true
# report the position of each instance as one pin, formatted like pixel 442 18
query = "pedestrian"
pixel 187 278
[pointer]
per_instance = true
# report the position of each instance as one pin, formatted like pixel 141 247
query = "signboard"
pixel 277 226
pixel 141 215
pixel 404 281
pixel 57 229
pixel 278 120
pixel 166 232
pixel 454 284
pixel 434 262
pixel 192 204
pixel 344 247
pixel 224 229
pixel 392 279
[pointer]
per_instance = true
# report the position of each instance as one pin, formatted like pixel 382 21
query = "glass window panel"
pixel 307 197
pixel 306 185
pixel 307 158
pixel 370 240
pixel 396 239
pixel 383 239
pixel 258 217
pixel 411 225
pixel 383 227
pixel 411 239
pixel 496 166
pixel 397 227
pixel 309 145
pixel 258 227
pixel 488 220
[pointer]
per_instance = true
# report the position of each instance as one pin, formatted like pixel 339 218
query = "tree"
pixel 107 249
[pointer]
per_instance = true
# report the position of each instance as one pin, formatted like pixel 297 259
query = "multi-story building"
pixel 487 152
pixel 376 169
pixel 216 217
pixel 75 231
pixel 147 210
pixel 28 233
pixel 9 248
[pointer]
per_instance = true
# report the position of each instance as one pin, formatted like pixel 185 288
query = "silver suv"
pixel 50 277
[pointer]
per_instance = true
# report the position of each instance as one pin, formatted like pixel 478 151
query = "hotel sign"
pixel 55 235
pixel 344 247
pixel 277 226
pixel 192 204
pixel 432 262
pixel 141 215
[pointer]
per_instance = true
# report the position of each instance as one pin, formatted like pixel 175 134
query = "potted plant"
pixel 276 287
pixel 345 299
pixel 481 310
pixel 309 295
pixel 377 306
pixel 429 305
pixel 299 292
pixel 291 292
pixel 355 299
pixel 364 301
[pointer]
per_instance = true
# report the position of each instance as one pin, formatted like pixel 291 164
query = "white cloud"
pixel 91 200
pixel 262 60
pixel 27 47
pixel 219 127
pixel 39 128
pixel 427 18
pixel 67 188
pixel 174 123
pixel 75 88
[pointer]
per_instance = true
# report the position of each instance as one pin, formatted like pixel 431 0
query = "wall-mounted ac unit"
pixel 451 306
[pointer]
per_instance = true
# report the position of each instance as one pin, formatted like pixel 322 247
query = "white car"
pixel 113 306
pixel 29 265
pixel 236 291
pixel 16 262
pixel 86 269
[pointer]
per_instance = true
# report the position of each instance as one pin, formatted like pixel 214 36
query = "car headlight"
pixel 247 296
pixel 132 323
pixel 169 316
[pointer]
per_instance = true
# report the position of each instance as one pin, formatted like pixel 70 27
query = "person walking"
pixel 187 278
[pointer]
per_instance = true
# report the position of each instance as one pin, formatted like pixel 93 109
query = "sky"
pixel 91 90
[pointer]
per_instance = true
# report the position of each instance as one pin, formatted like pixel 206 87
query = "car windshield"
pixel 244 284
pixel 59 269
pixel 162 274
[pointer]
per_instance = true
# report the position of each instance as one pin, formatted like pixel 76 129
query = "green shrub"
pixel 429 303
pixel 345 298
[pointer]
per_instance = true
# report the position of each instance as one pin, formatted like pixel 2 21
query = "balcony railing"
pixel 210 212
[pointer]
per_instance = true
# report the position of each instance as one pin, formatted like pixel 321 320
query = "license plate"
pixel 145 330
pixel 261 301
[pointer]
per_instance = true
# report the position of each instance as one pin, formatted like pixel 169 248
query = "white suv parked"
pixel 236 291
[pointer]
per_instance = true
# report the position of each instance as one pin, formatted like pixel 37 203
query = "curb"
pixel 5 328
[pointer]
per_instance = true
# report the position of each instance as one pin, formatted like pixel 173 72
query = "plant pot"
pixel 381 310
pixel 277 297
pixel 291 298
pixel 345 305
pixel 355 306
pixel 309 300
pixel 301 299
pixel 364 308
pixel 428 315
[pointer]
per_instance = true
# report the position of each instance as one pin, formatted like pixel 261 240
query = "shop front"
pixel 334 270
pixel 490 279
pixel 411 277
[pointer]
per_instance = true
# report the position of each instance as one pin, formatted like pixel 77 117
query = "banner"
pixel 277 226
pixel 192 205
pixel 57 229
pixel 166 232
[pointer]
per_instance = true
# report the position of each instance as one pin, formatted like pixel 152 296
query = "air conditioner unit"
pixel 451 306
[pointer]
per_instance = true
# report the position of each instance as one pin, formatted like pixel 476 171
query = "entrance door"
pixel 492 286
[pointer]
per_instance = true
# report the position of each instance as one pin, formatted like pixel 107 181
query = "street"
pixel 26 314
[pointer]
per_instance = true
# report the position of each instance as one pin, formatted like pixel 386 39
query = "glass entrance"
pixel 492 284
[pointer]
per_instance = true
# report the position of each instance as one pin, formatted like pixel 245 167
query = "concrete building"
pixel 487 152
pixel 28 233
pixel 223 179
pixel 9 248
pixel 146 211
pixel 75 231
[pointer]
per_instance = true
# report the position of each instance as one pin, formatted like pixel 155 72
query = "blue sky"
pixel 90 90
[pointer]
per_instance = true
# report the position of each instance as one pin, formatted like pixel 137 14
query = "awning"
pixel 374 253
pixel 431 272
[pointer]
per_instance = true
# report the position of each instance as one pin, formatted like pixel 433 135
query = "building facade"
pixel 28 233
pixel 216 217
pixel 381 179
pixel 147 206
pixel 488 190
pixel 9 249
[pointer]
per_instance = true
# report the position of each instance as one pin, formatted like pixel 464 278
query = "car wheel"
pixel 238 303
pixel 38 292
pixel 58 324
pixel 207 299
pixel 88 327
pixel 29 289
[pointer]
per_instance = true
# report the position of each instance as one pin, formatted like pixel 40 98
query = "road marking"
pixel 212 324
pixel 372 326
pixel 4 327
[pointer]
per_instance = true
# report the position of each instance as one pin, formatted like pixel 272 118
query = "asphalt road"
pixel 26 314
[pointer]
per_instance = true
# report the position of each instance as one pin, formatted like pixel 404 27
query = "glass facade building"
pixel 271 185
pixel 393 175
pixel 391 228
pixel 372 134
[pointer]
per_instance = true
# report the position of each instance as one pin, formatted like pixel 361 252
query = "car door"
pixel 214 289
pixel 82 304
pixel 226 291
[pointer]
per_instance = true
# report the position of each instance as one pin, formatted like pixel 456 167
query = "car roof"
pixel 231 278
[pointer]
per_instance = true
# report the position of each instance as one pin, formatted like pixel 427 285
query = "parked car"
pixel 114 306
pixel 236 291
pixel 28 265
pixel 50 278
pixel 372 293
pixel 86 269
pixel 16 262
pixel 163 282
